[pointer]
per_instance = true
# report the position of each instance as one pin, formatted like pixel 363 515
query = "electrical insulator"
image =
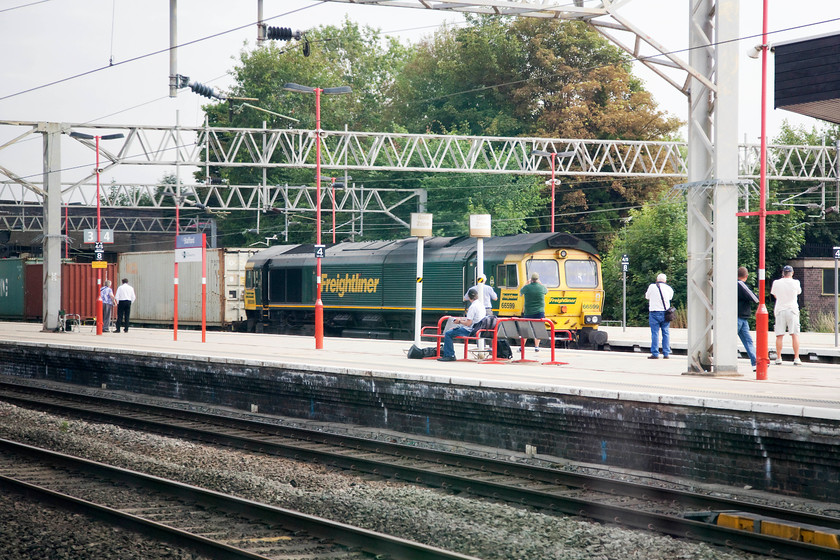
pixel 282 34
pixel 201 89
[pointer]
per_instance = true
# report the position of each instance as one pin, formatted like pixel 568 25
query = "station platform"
pixel 812 389
pixel 611 408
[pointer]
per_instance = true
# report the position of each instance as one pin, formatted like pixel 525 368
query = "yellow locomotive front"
pixel 575 297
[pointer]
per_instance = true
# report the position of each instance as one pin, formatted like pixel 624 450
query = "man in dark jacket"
pixel 746 298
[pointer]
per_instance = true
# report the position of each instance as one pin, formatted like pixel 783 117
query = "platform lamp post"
pixel 421 227
pixel 83 136
pixel 319 305
pixel 552 156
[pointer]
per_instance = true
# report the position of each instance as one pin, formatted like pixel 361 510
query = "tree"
pixel 819 229
pixel 346 55
pixel 509 200
pixel 524 76
pixel 654 238
pixel 496 76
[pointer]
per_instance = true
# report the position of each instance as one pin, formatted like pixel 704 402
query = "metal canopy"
pixel 808 77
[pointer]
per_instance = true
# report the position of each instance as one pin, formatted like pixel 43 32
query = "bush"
pixel 822 322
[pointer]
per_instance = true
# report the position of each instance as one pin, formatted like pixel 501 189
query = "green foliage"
pixel 784 238
pixel 509 200
pixel 495 76
pixel 818 228
pixel 655 241
pixel 523 76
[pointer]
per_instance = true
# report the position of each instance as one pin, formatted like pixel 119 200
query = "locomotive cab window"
pixel 284 284
pixel 581 274
pixel 547 269
pixel 506 276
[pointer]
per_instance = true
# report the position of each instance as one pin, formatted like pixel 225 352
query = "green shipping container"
pixel 11 288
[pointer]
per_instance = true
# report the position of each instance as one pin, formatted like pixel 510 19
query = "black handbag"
pixel 671 312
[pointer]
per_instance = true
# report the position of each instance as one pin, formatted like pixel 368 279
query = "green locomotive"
pixel 368 288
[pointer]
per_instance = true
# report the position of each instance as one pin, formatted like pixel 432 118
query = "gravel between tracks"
pixel 479 528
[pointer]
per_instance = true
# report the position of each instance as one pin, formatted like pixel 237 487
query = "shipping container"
pixel 79 289
pixel 152 275
pixel 11 289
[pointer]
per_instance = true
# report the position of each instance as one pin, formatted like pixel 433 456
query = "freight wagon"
pixel 22 289
pixel 368 288
pixel 151 274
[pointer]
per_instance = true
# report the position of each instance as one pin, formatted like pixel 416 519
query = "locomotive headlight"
pixel 591 319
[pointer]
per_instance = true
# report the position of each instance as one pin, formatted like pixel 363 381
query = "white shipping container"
pixel 152 275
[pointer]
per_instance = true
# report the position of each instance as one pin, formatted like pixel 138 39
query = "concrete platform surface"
pixel 810 390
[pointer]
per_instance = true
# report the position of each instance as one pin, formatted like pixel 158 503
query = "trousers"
pixel 657 322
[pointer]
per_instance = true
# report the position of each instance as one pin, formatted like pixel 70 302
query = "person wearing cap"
pixel 533 304
pixel 786 312
pixel 486 294
pixel 659 295
pixel 474 314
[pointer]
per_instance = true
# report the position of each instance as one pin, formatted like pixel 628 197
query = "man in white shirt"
pixel 486 294
pixel 124 296
pixel 786 312
pixel 659 295
pixel 474 314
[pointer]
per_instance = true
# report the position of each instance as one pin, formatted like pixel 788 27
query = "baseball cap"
pixel 787 268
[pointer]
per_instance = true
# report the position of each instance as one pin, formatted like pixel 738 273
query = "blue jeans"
pixel 746 339
pixel 657 321
pixel 449 343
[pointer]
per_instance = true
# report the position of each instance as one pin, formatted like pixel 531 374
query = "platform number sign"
pixel 320 251
pixel 105 236
pixel 836 253
pixel 625 263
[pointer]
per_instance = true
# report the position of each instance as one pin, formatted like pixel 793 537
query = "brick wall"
pixel 810 273
pixel 789 454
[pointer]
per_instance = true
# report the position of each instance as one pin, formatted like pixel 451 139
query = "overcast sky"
pixel 51 40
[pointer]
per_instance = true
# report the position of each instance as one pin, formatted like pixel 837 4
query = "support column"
pixel 725 276
pixel 52 224
pixel 700 319
pixel 713 193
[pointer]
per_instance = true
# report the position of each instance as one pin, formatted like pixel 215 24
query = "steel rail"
pixel 347 535
pixel 427 473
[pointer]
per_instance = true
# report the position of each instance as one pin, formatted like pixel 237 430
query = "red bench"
pixel 506 327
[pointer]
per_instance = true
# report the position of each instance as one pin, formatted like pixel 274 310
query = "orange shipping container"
pixel 79 291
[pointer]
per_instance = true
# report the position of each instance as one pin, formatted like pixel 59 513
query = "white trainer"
pixel 797 362
pixel 778 361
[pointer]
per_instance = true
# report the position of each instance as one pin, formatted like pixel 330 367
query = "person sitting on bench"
pixel 474 314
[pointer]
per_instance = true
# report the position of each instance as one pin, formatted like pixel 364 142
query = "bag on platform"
pixel 503 350
pixel 417 353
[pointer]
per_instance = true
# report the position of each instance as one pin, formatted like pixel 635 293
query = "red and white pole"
pixel 319 305
pixel 98 241
pixel 203 287
pixel 175 283
pixel 761 316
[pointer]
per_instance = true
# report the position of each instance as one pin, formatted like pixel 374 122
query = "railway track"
pixel 215 524
pixel 667 511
